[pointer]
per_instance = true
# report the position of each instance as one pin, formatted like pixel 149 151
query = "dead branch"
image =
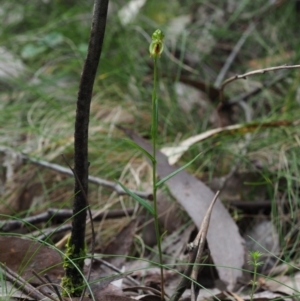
pixel 255 91
pixel 21 283
pixel 73 277
pixel 251 73
pixel 66 171
pixel 55 213
pixel 196 253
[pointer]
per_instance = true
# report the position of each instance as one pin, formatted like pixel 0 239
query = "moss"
pixel 73 285
pixel 68 254
pixel 68 287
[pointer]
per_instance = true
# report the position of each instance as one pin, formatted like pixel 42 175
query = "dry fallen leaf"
pixel 289 285
pixel 265 296
pixel 121 245
pixel 109 290
pixel 9 292
pixel 215 294
pixel 24 255
pixel 113 298
pixel 175 152
pixel 225 243
pixel 148 298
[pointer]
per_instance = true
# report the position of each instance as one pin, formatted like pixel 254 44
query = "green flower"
pixel 156 47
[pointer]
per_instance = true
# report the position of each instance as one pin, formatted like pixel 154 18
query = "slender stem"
pixel 154 140
pixel 253 281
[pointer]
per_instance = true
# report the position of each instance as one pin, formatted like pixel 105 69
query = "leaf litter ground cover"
pixel 38 101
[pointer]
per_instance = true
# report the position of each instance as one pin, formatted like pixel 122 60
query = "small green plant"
pixel 156 48
pixel 254 261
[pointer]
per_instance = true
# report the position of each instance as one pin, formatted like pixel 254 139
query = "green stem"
pixel 154 140
pixel 253 282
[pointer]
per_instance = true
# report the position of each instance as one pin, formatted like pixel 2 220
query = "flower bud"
pixel 156 47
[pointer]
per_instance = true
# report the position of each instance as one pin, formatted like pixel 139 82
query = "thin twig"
pixel 61 214
pixel 114 268
pixel 66 171
pixel 41 279
pixel 21 283
pixel 95 180
pixel 195 253
pixel 200 243
pixel 265 84
pixel 45 234
pixel 54 287
pixel 245 75
pixel 40 288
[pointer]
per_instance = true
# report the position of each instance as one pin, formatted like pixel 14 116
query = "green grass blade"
pixel 158 184
pixel 132 143
pixel 143 202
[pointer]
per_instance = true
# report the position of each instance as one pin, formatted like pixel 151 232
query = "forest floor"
pixel 246 130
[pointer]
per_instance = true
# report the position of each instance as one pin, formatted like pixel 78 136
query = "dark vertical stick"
pixel 77 241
